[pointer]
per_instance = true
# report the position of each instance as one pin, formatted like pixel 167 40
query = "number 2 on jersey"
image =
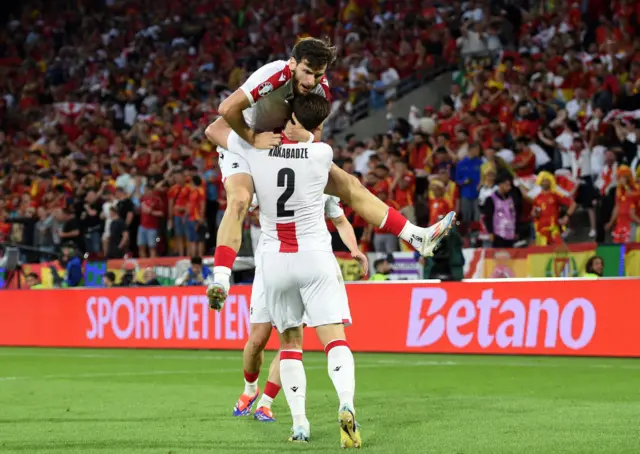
pixel 286 180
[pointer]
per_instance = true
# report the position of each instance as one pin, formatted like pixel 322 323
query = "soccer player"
pixel 261 325
pixel 298 266
pixel 262 104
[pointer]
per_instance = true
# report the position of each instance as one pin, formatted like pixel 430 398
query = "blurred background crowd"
pixel 103 106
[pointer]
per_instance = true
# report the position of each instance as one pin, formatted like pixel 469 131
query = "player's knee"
pixel 238 202
pixel 258 338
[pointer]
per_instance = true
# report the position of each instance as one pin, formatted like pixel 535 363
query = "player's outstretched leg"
pixel 376 212
pixel 271 390
pixel 239 189
pixel 341 369
pixel 294 382
pixel 252 358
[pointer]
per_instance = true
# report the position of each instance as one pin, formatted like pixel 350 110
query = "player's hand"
pixel 363 261
pixel 295 132
pixel 266 140
pixel 564 220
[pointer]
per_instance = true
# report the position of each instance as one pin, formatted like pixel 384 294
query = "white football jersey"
pixel 269 88
pixel 332 208
pixel 289 182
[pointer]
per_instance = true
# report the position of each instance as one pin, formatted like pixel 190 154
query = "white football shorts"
pixel 300 288
pixel 233 160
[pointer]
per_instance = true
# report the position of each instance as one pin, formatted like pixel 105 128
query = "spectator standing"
pixel 196 225
pixel 547 205
pixel 150 214
pixel 109 202
pixel 70 230
pixel 624 212
pixel 90 223
pixel 72 264
pixel 403 188
pixel 500 214
pixel 587 196
pixel 439 206
pixel 468 178
pixel 178 200
pixel 44 232
pixel 385 243
pixel 126 212
pixel 118 236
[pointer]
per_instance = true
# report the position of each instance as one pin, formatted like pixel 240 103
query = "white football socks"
pixel 250 388
pixel 412 231
pixel 294 384
pixel 222 275
pixel 342 373
pixel 265 401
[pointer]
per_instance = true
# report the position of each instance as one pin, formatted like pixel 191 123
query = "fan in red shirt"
pixel 178 196
pixel 439 206
pixel 546 211
pixel 624 212
pixel 5 227
pixel 150 213
pixel 195 217
pixel 403 188
pixel 382 242
pixel 524 162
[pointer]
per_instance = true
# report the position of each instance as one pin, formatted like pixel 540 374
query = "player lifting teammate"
pixel 252 113
pixel 261 326
pixel 299 275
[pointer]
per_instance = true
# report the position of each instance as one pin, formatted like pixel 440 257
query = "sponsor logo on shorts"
pixel 294 388
pixel 337 369
pixel 235 165
pixel 505 323
pixel 265 88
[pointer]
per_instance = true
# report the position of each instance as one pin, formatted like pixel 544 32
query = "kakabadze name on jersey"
pixel 289 153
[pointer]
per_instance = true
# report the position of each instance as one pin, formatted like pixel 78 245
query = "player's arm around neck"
pixel 231 111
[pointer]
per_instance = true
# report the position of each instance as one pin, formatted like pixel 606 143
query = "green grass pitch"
pixel 159 401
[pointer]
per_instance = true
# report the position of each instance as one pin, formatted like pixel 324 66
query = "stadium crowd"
pixel 102 113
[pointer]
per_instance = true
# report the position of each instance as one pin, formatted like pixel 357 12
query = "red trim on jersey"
pixel 290 354
pixel 335 343
pixel 287 237
pixel 324 83
pixel 276 81
pixel 286 141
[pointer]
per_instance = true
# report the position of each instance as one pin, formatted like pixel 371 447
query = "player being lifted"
pixel 253 112
pixel 299 274
pixel 261 325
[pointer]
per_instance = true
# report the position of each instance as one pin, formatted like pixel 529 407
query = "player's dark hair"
pixel 317 52
pixel 310 110
pixel 197 180
pixel 196 260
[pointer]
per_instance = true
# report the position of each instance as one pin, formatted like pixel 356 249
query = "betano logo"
pixel 515 324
